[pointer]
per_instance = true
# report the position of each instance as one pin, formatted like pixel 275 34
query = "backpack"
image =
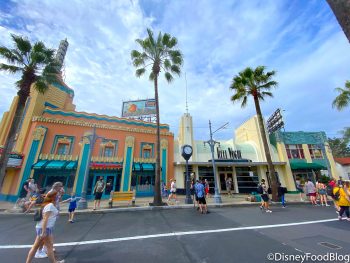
pixel 260 189
pixel 329 190
pixel 336 195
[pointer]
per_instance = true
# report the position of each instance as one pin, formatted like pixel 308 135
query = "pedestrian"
pixel 172 194
pixel 32 187
pixel 98 190
pixel 281 194
pixel 300 187
pixel 311 191
pixel 331 184
pixel 263 190
pixel 229 186
pixel 342 196
pixel 322 192
pixel 200 193
pixel 195 197
pixel 44 228
pixel 36 199
pixel 23 194
pixel 164 189
pixel 72 206
pixel 206 188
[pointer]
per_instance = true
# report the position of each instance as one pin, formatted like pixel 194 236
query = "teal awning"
pixel 147 167
pixel 315 166
pixel 55 165
pixel 39 165
pixel 137 167
pixel 71 165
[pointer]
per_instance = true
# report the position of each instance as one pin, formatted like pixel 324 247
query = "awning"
pixel 315 166
pixel 137 167
pixel 71 165
pixel 55 165
pixel 39 165
pixel 102 166
pixel 147 167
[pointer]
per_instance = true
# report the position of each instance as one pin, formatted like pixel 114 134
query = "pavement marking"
pixel 171 234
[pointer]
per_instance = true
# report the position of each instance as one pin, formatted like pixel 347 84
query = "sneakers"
pixel 268 211
pixel 60 261
pixel 327 205
pixel 348 219
pixel 340 218
pixel 261 207
pixel 40 254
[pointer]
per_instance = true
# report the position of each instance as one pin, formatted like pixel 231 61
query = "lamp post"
pixel 186 152
pixel 211 143
pixel 82 203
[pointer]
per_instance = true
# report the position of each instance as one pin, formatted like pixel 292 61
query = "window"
pixel 108 151
pixel 146 153
pixel 62 148
pixel 295 151
pixel 315 151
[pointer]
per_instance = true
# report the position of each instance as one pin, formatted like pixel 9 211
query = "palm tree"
pixel 343 99
pixel 36 64
pixel 257 83
pixel 341 10
pixel 160 54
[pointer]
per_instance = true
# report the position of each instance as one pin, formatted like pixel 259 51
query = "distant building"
pixel 343 167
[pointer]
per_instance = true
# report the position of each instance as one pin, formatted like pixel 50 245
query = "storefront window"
pixel 315 151
pixel 146 153
pixel 62 149
pixel 108 152
pixel 295 151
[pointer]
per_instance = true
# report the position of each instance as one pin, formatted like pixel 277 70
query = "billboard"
pixel 135 108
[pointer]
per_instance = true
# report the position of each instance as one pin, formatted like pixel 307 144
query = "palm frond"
pixel 10 68
pixel 267 93
pixel 8 55
pixel 176 69
pixel 176 57
pixel 139 72
pixel 135 54
pixel 152 76
pixel 22 44
pixel 167 64
pixel 169 78
pixel 41 85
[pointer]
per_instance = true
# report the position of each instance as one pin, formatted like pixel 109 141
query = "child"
pixel 72 205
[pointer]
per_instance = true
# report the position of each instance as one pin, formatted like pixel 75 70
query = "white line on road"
pixel 98 241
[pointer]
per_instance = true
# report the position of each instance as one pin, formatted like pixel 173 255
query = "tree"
pixel 343 99
pixel 341 10
pixel 160 54
pixel 36 64
pixel 257 83
pixel 339 147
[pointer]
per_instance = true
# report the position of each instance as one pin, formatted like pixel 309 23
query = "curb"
pixel 155 208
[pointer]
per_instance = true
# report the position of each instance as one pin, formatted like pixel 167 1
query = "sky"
pixel 301 40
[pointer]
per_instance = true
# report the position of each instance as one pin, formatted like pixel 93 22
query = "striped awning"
pixel 147 167
pixel 55 165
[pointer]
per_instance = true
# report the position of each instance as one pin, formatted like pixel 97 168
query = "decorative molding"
pixel 147 147
pixel 100 126
pixel 164 144
pixel 39 133
pixel 64 140
pixel 102 159
pixel 144 160
pixel 58 157
pixel 129 141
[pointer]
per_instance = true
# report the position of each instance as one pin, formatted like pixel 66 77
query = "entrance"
pixel 223 177
pixel 111 179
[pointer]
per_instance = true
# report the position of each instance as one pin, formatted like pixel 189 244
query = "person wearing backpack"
pixel 342 197
pixel 264 196
pixel 281 192
pixel 332 183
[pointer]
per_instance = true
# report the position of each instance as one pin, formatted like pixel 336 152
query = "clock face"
pixel 187 149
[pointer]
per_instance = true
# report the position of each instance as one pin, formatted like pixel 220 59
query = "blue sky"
pixel 299 39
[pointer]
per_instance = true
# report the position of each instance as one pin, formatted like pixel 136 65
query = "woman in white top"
pixel 44 228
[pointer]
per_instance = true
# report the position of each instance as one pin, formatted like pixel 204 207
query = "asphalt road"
pixel 234 234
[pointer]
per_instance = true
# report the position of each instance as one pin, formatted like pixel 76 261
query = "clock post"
pixel 186 152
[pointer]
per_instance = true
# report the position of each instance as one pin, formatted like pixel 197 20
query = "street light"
pixel 82 203
pixel 211 143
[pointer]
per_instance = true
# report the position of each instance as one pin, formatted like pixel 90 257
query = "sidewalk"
pixel 142 203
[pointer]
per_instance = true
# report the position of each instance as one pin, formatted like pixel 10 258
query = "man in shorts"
pixel 98 190
pixel 200 193
pixel 265 197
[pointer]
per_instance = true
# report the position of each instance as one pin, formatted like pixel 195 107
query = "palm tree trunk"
pixel 157 201
pixel 10 141
pixel 271 175
pixel 341 10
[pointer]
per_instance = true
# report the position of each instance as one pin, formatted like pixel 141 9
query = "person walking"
pixel 300 187
pixel 342 196
pixel 281 194
pixel 200 193
pixel 330 187
pixel 172 194
pixel 311 191
pixel 322 192
pixel 206 188
pixel 229 186
pixel 72 206
pixel 98 191
pixel 263 190
pixel 44 229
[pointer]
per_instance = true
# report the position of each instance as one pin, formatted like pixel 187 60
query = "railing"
pixel 58 157
pixel 104 159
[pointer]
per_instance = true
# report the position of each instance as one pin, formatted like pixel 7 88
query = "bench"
pixel 122 196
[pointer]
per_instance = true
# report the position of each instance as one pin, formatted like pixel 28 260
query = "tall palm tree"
pixel 341 10
pixel 36 64
pixel 160 54
pixel 343 99
pixel 257 83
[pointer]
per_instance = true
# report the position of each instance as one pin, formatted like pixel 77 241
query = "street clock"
pixel 186 151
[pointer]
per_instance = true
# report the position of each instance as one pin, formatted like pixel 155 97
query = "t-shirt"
pixel 52 219
pixel 173 187
pixel 73 202
pixel 199 188
pixel 99 186
pixel 310 187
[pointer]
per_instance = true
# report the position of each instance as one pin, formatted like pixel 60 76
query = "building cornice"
pixel 97 125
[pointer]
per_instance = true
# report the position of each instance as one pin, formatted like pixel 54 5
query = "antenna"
pixel 186 95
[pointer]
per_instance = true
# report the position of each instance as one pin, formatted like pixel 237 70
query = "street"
pixel 232 234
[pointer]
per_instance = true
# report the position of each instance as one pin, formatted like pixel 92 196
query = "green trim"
pixel 147 167
pixel 164 166
pixel 302 165
pixel 293 192
pixel 48 104
pixel 81 172
pixel 127 171
pixel 98 118
pixel 63 88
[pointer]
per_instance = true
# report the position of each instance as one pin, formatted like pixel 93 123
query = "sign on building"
pixel 139 109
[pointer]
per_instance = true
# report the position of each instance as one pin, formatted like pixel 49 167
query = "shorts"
pixel 49 231
pixel 196 197
pixel 206 190
pixel 322 191
pixel 311 194
pixel 98 196
pixel 71 209
pixel 265 197
pixel 201 200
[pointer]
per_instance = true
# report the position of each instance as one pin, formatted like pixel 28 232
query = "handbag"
pixel 38 215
